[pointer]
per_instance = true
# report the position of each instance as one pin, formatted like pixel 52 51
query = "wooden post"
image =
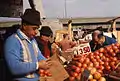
pixel 70 29
pixel 114 25
pixel 115 32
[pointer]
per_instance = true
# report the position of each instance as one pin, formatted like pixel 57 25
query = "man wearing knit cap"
pixel 22 54
pixel 44 41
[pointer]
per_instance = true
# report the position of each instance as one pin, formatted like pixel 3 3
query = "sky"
pixel 81 8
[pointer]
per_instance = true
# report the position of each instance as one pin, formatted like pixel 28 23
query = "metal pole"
pixel 65 9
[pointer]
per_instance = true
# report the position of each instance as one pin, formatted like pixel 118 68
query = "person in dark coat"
pixel 43 41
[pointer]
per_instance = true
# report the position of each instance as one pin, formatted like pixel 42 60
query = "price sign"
pixel 84 48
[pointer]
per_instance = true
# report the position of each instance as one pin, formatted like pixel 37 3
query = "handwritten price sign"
pixel 84 48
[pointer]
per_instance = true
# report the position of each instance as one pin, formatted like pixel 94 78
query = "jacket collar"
pixel 22 35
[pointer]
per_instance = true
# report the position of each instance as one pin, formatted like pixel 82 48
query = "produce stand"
pixel 101 64
pixel 88 66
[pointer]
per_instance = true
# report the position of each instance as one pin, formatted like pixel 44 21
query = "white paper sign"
pixel 84 48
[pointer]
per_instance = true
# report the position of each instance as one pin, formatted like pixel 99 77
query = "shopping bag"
pixel 57 70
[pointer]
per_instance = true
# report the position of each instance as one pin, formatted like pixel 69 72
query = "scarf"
pixel 46 51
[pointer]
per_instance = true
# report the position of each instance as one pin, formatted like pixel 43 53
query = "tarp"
pixel 8 22
pixel 8 19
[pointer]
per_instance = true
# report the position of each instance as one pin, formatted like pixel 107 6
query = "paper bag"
pixel 42 79
pixel 68 55
pixel 46 78
pixel 57 70
pixel 50 79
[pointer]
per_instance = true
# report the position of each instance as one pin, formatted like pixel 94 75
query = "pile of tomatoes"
pixel 44 73
pixel 103 61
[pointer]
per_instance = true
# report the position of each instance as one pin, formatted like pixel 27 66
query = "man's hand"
pixel 45 64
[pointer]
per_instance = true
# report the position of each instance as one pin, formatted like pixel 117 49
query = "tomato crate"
pixel 114 75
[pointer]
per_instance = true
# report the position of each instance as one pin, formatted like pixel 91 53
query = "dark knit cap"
pixel 46 30
pixel 31 16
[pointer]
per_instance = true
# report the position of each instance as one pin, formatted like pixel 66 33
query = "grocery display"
pixel 75 63
pixel 100 63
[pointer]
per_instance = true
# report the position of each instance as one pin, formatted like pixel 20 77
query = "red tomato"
pixel 74 74
pixel 81 60
pixel 71 78
pixel 100 54
pixel 101 67
pixel 84 65
pixel 107 67
pixel 78 64
pixel 101 50
pixel 77 70
pixel 87 60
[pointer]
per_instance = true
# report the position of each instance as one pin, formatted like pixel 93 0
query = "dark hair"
pixel 100 35
pixel 46 31
pixel 64 35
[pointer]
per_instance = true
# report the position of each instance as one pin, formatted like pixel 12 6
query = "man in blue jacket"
pixel 99 40
pixel 21 51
